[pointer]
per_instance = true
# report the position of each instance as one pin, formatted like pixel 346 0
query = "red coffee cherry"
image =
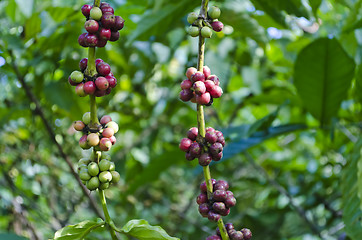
pixel 214 78
pixel 205 159
pixel 91 26
pixel 105 34
pixel 105 144
pixel 103 68
pixel 186 84
pixel 107 10
pixel 217 26
pixel 206 70
pixel 108 132
pixel 114 36
pixel 202 198
pixel 86 10
pixel 204 209
pixel 118 23
pixel 199 88
pixel 81 40
pixel 101 83
pixel 112 81
pixel 91 40
pixel 212 216
pixel 89 87
pixel 105 119
pixel 83 64
pixel 203 99
pixel 185 144
pixel 192 133
pixel 186 95
pixel 216 92
pixel 108 20
pixel 198 76
pixel 190 71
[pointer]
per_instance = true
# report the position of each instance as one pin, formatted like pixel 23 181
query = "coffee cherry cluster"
pixel 243 234
pixel 200 25
pixel 101 25
pixel 102 137
pixel 220 203
pixel 100 85
pixel 96 174
pixel 208 149
pixel 200 87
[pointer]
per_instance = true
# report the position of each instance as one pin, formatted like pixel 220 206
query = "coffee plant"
pixel 280 93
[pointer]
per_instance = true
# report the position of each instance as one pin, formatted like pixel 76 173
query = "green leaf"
pixel 26 7
pixel 141 230
pixel 322 75
pixel 78 231
pixel 315 5
pixel 11 236
pixel 242 22
pixel 32 26
pixel 352 213
pixel 245 143
pixel 358 84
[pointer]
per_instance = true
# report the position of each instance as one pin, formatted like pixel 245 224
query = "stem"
pixel 106 214
pixel 201 118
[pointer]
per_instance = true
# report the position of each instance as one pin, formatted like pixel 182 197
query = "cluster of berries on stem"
pixel 99 85
pixel 205 25
pixel 101 137
pixel 200 87
pixel 243 234
pixel 205 149
pixel 101 26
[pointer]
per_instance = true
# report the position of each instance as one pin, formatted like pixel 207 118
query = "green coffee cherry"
pixel 105 176
pixel 113 125
pixel 85 161
pixel 105 156
pixel 84 175
pixel 193 31
pixel 191 18
pixel 206 32
pixel 96 13
pixel 86 118
pixel 77 76
pixel 93 183
pixel 93 139
pixel 93 169
pixel 115 177
pixel 112 166
pixel 104 165
pixel 81 166
pixel 214 12
pixel 104 186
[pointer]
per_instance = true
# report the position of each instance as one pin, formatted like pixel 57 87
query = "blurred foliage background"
pixel 291 112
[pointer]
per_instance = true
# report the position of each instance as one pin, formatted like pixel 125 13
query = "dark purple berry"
pixel 247 233
pixel 83 64
pixel 219 195
pixel 108 20
pixel 230 202
pixel 218 207
pixel 103 68
pixel 105 34
pixel 192 133
pixel 236 235
pixel 195 149
pixel 205 159
pixel 189 157
pixel 81 40
pixel 217 26
pixel 86 10
pixel 217 157
pixel 91 40
pixel 210 137
pixel 202 198
pixel 71 82
pixel 186 95
pixel 221 185
pixel 229 194
pixel 225 212
pixel 114 36
pixel 106 10
pixel 212 216
pixel 186 84
pixel 204 209
pixel 101 43
pixel 185 144
pixel 229 226
pixel 221 140
pixel 215 149
pixel 100 93
pixel 112 81
pixel 118 23
pixel 198 76
pixel 214 237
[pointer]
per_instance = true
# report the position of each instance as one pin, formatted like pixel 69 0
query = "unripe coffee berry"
pixel 84 175
pixel 84 161
pixel 104 186
pixel 105 144
pixel 77 76
pixel 83 142
pixel 78 125
pixel 93 183
pixel 104 165
pixel 115 177
pixel 93 169
pixel 191 18
pixel 93 139
pixel 105 176
pixel 79 90
pixel 193 31
pixel 112 167
pixel 86 118
pixel 113 125
pixel 96 13
pixel 214 12
pixel 206 32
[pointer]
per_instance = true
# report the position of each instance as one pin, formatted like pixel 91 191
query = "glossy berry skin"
pixel 91 40
pixel 202 198
pixel 212 216
pixel 81 40
pixel 93 183
pixel 86 118
pixel 186 95
pixel 107 10
pixel 207 72
pixel 78 125
pixel 105 119
pixel 211 137
pixel 93 169
pixel 93 139
pixel 185 144
pixel 96 13
pixel 214 12
pixel 222 185
pixel 89 87
pixel 193 31
pixel 204 209
pixel 105 144
pixel 236 235
pixel 115 177
pixel 191 18
pixel 98 60
pixel 84 175
pixel 108 132
pixel 186 84
pixel 83 64
pixel 114 36
pixel 219 195
pixel 190 71
pixel 112 81
pixel 113 125
pixel 217 26
pixel 198 76
pixel 79 90
pixel 195 149
pixel 105 34
pixel 205 159
pixel 77 76
pixel 71 82
pixel 203 99
pixel 230 202
pixel 206 32
pixel 199 88
pixel 105 176
pixel 214 237
pixel 219 207
pixel 216 92
pixel 104 165
pixel 214 78
pixel 192 133
pixel 101 83
pixel 247 233
pixel 108 20
pixel 215 149
pixel 209 85
pixel 91 26
pixel 86 10
pixel 118 23
pixel 103 68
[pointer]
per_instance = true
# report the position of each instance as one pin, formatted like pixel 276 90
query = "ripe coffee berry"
pixel 103 68
pixel 217 26
pixel 86 10
pixel 91 26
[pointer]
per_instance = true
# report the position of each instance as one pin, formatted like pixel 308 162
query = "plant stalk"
pixel 106 215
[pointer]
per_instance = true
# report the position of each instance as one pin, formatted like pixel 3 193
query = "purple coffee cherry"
pixel 118 23
pixel 89 87
pixel 229 194
pixel 230 202
pixel 91 26
pixel 86 10
pixel 219 195
pixel 112 81
pixel 218 207
pixel 204 209
pixel 205 159
pixel 217 26
pixel 221 140
pixel 105 34
pixel 214 79
pixel 195 149
pixel 221 185
pixel 189 157
pixel 81 40
pixel 186 84
pixel 199 88
pixel 71 82
pixel 210 137
pixel 108 20
pixel 209 85
pixel 186 95
pixel 190 71
pixel 215 149
pixel 192 133
pixel 185 144
pixel 83 64
pixel 106 9
pixel 198 76
pixel 103 69
pixel 206 70
pixel 213 216
pixel 218 157
pixel 91 40
pixel 216 92
pixel 229 226
pixel 114 36
pixel 236 235
pixel 98 60
pixel 202 198
pixel 101 83
pixel 247 233
pixel 214 237
pixel 203 99
pixel 225 212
